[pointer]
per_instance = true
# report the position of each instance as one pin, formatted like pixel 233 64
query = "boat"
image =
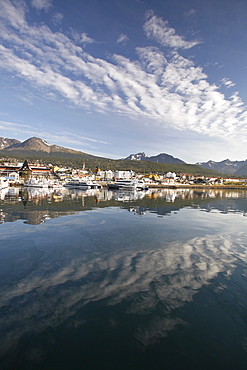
pixel 37 183
pixel 53 184
pixel 83 184
pixel 4 183
pixel 122 184
pixel 131 184
pixel 141 185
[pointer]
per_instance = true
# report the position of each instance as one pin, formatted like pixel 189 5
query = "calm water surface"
pixel 111 280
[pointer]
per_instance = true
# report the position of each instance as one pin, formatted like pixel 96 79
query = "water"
pixel 112 280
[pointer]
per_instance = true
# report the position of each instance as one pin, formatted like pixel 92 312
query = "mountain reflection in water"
pixel 140 292
pixel 36 205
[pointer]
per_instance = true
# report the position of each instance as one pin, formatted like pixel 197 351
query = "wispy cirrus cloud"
pixel 78 139
pixel 57 18
pixel 66 137
pixel 158 29
pixel 190 12
pixel 122 39
pixel 17 128
pixel 85 39
pixel 14 13
pixel 165 88
pixel 14 125
pixel 227 83
pixel 41 4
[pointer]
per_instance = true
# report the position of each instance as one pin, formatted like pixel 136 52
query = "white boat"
pixel 53 184
pixel 37 183
pixel 141 185
pixel 4 183
pixel 131 184
pixel 80 184
pixel 122 184
pixel 3 193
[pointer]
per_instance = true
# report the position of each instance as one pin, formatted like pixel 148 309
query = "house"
pixel 13 177
pixel 36 170
pixel 171 175
pixel 125 175
pixel 187 177
pixel 232 180
pixel 6 169
pixel 105 175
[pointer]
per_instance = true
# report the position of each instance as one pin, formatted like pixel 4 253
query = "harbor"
pixel 34 175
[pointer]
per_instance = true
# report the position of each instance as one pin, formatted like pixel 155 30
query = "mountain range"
pixel 160 158
pixel 34 144
pixel 37 147
pixel 5 143
pixel 226 166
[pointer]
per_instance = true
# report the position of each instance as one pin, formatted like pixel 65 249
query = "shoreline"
pixel 188 186
pixel 175 186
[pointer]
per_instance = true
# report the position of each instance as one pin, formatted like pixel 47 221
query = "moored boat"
pixel 122 184
pixel 4 183
pixel 53 184
pixel 83 184
pixel 141 185
pixel 131 184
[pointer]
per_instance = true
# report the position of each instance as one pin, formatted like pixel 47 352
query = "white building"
pixel 13 177
pixel 232 180
pixel 171 175
pixel 105 175
pixel 125 175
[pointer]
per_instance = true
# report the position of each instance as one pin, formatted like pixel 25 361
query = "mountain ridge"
pixel 225 166
pixel 37 144
pixel 159 158
pixel 35 147
pixel 5 142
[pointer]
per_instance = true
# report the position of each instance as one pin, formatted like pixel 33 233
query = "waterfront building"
pixel 37 170
pixel 105 175
pixel 6 169
pixel 125 175
pixel 171 175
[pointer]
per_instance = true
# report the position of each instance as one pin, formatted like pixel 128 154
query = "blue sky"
pixel 116 77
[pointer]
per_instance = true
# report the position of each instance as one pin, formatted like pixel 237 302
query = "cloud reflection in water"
pixel 147 267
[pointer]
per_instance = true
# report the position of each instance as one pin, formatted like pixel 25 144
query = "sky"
pixel 117 77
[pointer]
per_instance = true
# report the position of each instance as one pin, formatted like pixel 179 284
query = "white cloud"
pixel 85 39
pixel 57 18
pixel 41 4
pixel 13 124
pixel 16 128
pixel 227 83
pixel 156 28
pixel 78 139
pixel 169 90
pixel 153 60
pixel 190 12
pixel 193 264
pixel 14 13
pixel 65 137
pixel 78 38
pixel 122 39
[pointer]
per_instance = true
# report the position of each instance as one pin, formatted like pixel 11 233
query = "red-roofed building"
pixel 37 170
